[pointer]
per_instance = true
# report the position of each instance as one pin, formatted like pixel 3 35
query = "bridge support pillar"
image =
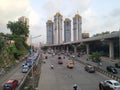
pixel 75 49
pixel 67 49
pixel 87 49
pixel 55 49
pixel 111 49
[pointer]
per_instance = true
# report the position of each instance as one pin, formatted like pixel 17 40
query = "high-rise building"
pixel 67 30
pixel 85 35
pixel 77 27
pixel 58 28
pixel 49 26
pixel 24 19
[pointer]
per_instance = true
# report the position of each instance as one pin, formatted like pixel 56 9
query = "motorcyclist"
pixel 75 86
pixel 52 66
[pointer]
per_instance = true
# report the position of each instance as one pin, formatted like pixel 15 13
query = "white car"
pixel 25 69
pixel 109 85
pixel 72 56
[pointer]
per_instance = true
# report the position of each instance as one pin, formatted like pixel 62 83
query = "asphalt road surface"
pixel 106 62
pixel 62 78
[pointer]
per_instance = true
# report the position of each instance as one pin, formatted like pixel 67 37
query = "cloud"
pixel 89 21
pixel 66 7
pixel 12 10
pixel 115 12
pixel 94 23
pixel 34 17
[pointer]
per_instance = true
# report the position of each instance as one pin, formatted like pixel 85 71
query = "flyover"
pixel 109 38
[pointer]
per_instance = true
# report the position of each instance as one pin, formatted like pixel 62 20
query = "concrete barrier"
pixel 108 74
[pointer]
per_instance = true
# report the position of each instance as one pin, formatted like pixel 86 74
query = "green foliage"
pixel 18 28
pixel 44 48
pixel 95 56
pixel 71 48
pixel 2 43
pixel 103 33
pixel 20 33
pixel 81 47
pixel 18 47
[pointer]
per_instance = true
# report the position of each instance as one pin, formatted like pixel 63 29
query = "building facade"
pixel 67 30
pixel 26 21
pixel 85 35
pixel 50 36
pixel 58 28
pixel 77 27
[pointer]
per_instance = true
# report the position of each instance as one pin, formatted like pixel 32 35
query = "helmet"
pixel 75 84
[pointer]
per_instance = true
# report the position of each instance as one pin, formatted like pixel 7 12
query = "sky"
pixel 97 15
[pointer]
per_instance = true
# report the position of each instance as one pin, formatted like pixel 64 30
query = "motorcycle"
pixel 52 67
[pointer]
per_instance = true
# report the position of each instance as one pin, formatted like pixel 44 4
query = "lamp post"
pixel 31 53
pixel 119 44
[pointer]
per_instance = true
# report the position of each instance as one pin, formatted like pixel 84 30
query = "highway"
pixel 15 73
pixel 105 62
pixel 62 78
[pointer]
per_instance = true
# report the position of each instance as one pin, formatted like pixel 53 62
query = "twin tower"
pixel 55 33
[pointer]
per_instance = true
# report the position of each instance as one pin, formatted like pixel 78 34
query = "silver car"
pixel 25 69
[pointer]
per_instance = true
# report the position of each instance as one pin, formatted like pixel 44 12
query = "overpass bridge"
pixel 111 39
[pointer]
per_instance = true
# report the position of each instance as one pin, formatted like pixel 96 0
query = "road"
pixel 62 78
pixel 105 62
pixel 15 73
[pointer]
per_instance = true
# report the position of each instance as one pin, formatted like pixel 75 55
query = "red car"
pixel 10 84
pixel 60 60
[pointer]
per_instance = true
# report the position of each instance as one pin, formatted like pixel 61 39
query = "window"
pixel 109 82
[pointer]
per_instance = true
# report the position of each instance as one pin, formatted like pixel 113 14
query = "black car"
pixel 111 69
pixel 117 65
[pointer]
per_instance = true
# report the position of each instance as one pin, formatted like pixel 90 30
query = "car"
pixel 11 84
pixel 117 65
pixel 70 64
pixel 25 69
pixel 30 61
pixel 60 60
pixel 78 55
pixel 53 54
pixel 109 85
pixel 72 56
pixel 89 68
pixel 111 69
pixel 46 57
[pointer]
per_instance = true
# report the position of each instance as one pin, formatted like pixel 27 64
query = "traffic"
pixel 61 62
pixel 62 72
pixel 13 81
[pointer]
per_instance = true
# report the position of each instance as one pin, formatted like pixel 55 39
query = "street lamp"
pixel 31 52
pixel 33 38
pixel 119 44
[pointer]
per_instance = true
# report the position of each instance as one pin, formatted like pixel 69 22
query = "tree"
pixel 103 33
pixel 96 56
pixel 19 35
pixel 18 28
pixel 44 48
pixel 2 43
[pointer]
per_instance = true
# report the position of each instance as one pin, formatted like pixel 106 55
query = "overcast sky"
pixel 97 15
